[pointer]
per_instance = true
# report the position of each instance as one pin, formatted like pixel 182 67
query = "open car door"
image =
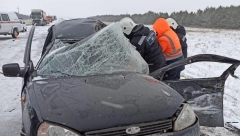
pixel 204 94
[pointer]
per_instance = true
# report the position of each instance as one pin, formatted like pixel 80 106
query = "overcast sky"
pixel 86 8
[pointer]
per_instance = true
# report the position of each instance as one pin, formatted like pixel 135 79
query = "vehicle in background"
pixel 9 24
pixel 49 18
pixel 39 17
pixel 54 17
pixel 24 26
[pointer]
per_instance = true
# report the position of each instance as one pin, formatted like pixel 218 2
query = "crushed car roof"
pixel 77 28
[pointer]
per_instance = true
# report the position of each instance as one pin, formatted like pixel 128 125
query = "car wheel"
pixel 15 33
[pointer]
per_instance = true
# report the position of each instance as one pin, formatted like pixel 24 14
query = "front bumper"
pixel 190 131
pixel 194 130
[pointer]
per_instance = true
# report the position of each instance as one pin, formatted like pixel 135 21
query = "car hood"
pixel 99 102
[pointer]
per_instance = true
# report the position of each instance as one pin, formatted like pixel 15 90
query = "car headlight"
pixel 185 119
pixel 46 129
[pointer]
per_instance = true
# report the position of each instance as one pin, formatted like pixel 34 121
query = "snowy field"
pixel 200 41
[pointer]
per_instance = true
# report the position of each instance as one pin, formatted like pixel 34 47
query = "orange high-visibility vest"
pixel 167 39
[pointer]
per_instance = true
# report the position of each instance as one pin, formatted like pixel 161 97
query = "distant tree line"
pixel 221 17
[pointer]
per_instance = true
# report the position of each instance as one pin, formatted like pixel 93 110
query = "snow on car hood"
pixel 106 52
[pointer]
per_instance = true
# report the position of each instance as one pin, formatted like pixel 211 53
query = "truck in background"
pixel 39 17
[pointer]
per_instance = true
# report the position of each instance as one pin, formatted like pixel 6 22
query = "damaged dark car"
pixel 90 81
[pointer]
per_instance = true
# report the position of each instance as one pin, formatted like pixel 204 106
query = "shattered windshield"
pixel 105 52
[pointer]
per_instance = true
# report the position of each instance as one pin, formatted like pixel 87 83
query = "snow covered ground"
pixel 200 41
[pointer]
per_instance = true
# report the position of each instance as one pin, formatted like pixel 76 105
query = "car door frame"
pixel 28 66
pixel 202 92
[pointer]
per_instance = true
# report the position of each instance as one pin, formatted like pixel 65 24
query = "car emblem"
pixel 133 130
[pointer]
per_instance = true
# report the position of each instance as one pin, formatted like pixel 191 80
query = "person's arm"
pixel 135 42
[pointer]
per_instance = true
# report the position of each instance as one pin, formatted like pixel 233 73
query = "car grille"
pixel 145 129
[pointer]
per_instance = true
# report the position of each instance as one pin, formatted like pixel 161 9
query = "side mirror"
pixel 24 23
pixel 12 70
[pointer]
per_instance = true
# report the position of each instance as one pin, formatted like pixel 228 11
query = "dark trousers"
pixel 174 74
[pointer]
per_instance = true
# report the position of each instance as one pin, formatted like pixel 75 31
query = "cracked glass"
pixel 105 52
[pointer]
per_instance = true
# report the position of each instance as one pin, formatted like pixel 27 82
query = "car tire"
pixel 15 33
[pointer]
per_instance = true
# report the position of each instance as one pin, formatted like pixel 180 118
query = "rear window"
pixel 5 17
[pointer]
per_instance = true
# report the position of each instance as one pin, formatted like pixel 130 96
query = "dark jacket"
pixel 181 32
pixel 146 44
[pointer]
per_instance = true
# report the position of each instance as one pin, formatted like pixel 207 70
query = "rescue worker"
pixel 181 32
pixel 145 42
pixel 171 47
